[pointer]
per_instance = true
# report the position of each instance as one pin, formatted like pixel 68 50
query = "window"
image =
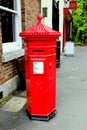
pixel 10 18
pixel 7 26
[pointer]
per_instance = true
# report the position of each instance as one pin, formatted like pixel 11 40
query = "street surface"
pixel 71 99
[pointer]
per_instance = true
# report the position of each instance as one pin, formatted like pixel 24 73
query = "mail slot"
pixel 40 70
pixel 38 50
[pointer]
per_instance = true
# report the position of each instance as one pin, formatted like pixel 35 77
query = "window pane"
pixel 7 26
pixel 7 3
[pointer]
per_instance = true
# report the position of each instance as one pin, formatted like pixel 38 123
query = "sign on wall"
pixel 72 5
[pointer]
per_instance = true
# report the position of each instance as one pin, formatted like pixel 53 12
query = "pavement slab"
pixel 15 104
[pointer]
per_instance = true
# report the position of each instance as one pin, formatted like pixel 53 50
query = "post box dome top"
pixel 39 30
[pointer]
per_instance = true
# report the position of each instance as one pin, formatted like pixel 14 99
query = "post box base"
pixel 41 118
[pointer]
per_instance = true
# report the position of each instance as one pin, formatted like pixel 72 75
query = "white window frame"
pixel 17 45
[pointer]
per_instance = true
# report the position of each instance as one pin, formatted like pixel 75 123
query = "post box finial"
pixel 39 18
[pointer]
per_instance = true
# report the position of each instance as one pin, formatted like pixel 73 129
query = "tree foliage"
pixel 80 21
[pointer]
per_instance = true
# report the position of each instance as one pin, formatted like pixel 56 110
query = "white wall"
pixel 61 5
pixel 47 20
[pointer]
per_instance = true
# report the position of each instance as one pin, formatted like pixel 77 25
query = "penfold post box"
pixel 40 70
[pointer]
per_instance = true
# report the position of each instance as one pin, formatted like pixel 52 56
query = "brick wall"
pixel 30 9
pixel 0 42
pixel 7 71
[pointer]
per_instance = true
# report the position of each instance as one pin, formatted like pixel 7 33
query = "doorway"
pixel 55 15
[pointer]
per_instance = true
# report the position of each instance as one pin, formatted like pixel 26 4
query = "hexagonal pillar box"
pixel 40 70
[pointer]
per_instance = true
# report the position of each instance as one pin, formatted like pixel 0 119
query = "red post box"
pixel 40 70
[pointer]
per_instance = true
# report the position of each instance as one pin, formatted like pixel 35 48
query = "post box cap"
pixel 39 30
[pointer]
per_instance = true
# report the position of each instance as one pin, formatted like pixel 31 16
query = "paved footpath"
pixel 71 99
